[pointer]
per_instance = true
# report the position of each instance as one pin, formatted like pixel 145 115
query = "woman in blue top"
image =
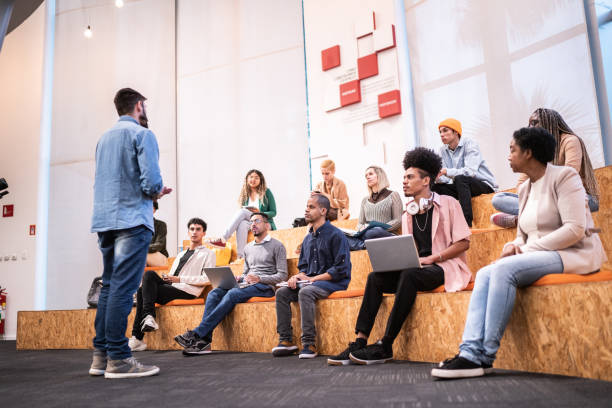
pixel 254 197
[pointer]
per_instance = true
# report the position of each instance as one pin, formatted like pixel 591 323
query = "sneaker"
pixel 343 358
pixel 504 220
pixel 98 364
pixel 199 347
pixel 372 354
pixel 284 348
pixel 218 242
pixel 136 344
pixel 149 324
pixel 128 368
pixel 309 351
pixel 187 339
pixel 458 367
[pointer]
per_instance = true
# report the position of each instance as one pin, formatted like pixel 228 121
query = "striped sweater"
pixel 388 211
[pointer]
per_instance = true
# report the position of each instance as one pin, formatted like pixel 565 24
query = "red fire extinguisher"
pixel 2 309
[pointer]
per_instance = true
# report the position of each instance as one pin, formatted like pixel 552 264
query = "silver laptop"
pixel 393 253
pixel 222 277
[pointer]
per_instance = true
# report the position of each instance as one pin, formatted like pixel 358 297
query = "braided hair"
pixel 552 121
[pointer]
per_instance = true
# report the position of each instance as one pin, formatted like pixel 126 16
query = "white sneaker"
pixel 137 345
pixel 149 324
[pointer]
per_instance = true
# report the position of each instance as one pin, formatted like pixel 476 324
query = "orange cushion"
pixel 157 268
pixel 183 302
pixel 563 278
pixel 257 299
pixel 343 294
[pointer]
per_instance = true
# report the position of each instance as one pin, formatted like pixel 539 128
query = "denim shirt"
pixel 127 177
pixel 326 250
pixel 466 160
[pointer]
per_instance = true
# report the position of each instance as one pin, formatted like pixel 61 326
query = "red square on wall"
pixel 7 210
pixel 330 58
pixel 367 66
pixel 350 92
pixel 32 229
pixel 389 104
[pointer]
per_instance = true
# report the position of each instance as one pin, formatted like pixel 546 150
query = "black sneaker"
pixel 372 354
pixel 458 367
pixel 198 348
pixel 284 348
pixel 187 339
pixel 343 358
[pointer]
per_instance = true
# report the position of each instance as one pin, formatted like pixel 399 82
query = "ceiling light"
pixel 88 33
pixel 119 3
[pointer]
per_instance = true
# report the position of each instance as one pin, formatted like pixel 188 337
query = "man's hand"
pixel 428 260
pixel 292 282
pixel 250 278
pixel 165 190
pixel 441 173
pixel 510 250
pixel 171 279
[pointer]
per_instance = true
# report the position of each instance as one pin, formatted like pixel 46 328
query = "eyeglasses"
pixel 257 221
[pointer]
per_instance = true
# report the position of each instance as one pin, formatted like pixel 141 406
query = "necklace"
pixel 416 220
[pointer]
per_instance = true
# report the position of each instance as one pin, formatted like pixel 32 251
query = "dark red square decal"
pixel 7 210
pixel 330 58
pixel 367 66
pixel 389 104
pixel 350 92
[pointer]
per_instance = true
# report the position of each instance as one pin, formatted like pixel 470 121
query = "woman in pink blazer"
pixel 554 235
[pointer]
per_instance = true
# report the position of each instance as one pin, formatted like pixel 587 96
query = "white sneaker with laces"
pixel 137 345
pixel 149 324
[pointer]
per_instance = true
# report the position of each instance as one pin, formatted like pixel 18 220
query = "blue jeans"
pixel 508 203
pixel 356 244
pixel 124 254
pixel 493 297
pixel 220 302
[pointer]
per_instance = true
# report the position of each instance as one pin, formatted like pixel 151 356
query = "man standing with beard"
pixel 265 265
pixel 127 181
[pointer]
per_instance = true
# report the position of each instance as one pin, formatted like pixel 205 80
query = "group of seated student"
pixel 555 234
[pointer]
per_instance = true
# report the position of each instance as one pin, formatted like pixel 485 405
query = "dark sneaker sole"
pixel 148 373
pixel 283 352
pixel 368 362
pixel 463 373
pixel 96 372
pixel 303 356
pixel 332 362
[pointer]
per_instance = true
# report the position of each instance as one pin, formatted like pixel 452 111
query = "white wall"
pixel 491 64
pixel 21 60
pixel 352 145
pixel 241 105
pixel 131 47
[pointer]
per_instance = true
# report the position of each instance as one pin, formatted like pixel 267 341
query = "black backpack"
pixel 94 292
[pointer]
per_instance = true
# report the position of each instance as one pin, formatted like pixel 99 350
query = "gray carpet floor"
pixel 58 378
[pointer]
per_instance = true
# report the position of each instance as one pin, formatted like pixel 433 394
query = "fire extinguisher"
pixel 2 309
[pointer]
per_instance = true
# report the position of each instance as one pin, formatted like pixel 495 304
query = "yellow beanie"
pixel 451 124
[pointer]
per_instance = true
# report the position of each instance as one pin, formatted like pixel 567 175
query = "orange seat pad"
pixel 564 278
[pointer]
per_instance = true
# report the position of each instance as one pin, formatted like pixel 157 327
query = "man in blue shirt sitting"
pixel 325 267
pixel 126 183
pixel 464 173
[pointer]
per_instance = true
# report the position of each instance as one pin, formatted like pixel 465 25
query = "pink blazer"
pixel 448 226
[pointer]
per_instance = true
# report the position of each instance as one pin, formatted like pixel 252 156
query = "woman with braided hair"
pixel 570 151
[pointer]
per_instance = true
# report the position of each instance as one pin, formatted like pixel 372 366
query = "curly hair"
pixel 425 160
pixel 245 192
pixel 537 139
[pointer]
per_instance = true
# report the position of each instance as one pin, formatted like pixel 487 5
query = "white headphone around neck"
pixel 424 204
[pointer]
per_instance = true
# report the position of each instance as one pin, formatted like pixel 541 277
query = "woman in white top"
pixel 554 235
pixel 381 205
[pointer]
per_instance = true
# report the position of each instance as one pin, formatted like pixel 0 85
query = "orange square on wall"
pixel 389 104
pixel 330 57
pixel 350 93
pixel 367 66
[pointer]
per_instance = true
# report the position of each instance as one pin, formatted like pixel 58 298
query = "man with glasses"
pixel 265 265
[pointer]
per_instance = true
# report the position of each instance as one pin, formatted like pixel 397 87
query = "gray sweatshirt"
pixel 268 260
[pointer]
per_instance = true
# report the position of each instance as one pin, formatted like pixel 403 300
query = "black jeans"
pixel 463 189
pixel 153 290
pixel 405 285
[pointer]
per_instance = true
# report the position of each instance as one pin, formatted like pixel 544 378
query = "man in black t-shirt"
pixel 441 238
pixel 184 281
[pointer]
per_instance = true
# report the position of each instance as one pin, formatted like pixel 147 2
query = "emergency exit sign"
pixel 7 210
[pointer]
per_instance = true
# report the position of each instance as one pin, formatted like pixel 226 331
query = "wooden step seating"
pixel 555 328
